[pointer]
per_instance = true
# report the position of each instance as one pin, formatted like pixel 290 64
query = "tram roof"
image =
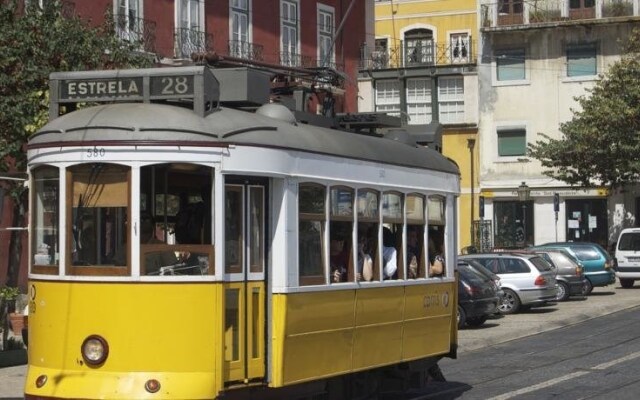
pixel 161 124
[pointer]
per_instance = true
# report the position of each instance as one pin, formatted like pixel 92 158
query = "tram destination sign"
pixel 196 85
pixel 126 88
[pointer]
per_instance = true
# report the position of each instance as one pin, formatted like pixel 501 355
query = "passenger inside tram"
pixel 365 262
pixel 389 254
pixel 154 260
pixel 339 254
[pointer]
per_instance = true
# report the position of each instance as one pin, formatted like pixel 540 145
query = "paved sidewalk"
pixel 602 301
pixel 12 382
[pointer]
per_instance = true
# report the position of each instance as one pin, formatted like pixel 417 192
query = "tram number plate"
pixel 96 152
pixel 174 85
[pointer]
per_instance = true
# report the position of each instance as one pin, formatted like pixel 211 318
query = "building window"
pixel 510 65
pixel 451 100
pixel 419 47
pixel 512 142
pixel 289 31
pixel 459 47
pixel 581 60
pixel 388 97
pixel 419 101
pixel 325 34
pixel 380 55
pixel 240 29
pixel 190 32
pixel 128 20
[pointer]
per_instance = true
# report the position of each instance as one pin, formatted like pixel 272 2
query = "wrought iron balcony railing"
pixel 138 31
pixel 518 12
pixel 246 50
pixel 290 59
pixel 189 41
pixel 424 54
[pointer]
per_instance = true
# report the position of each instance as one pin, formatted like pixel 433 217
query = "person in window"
pixel 154 260
pixel 413 252
pixel 389 254
pixel 338 258
pixel 436 259
pixel 365 262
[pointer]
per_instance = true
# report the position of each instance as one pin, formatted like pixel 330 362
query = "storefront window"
pixel 513 224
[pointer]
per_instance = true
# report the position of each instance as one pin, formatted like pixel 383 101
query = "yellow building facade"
pixel 422 68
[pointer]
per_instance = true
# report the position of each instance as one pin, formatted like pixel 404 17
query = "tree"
pixel 34 42
pixel 601 143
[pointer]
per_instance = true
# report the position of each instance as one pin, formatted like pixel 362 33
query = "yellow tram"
pixel 187 243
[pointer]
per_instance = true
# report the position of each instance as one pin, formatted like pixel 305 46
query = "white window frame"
pixel 459 38
pixel 199 24
pixel 124 32
pixel 419 102
pixel 242 40
pixel 455 99
pixel 325 35
pixel 387 99
pixel 290 54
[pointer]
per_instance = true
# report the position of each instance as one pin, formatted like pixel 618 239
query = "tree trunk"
pixel 15 245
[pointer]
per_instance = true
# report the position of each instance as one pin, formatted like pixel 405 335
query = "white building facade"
pixel 535 58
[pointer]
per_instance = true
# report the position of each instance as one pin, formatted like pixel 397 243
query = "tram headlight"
pixel 94 350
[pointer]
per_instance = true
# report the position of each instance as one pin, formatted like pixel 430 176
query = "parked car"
pixel 597 264
pixel 526 279
pixel 569 273
pixel 477 296
pixel 628 257
pixel 482 270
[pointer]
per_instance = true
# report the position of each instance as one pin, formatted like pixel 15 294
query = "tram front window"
pixel 44 219
pixel 175 220
pixel 99 215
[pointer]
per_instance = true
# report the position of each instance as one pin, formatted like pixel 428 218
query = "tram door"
pixel 245 258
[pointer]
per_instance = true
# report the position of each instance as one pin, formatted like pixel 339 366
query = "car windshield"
pixel 629 241
pixel 541 264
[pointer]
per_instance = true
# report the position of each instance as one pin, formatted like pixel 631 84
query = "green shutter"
pixel 512 143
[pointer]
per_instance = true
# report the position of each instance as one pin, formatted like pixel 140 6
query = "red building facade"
pixel 312 45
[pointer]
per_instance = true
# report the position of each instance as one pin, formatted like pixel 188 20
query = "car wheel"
pixel 510 302
pixel 462 317
pixel 563 291
pixel 587 288
pixel 626 283
pixel 477 321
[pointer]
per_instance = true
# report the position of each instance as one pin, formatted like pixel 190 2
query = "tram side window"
pixel 415 236
pixel 311 210
pixel 99 213
pixel 175 220
pixel 436 208
pixel 44 219
pixel 341 236
pixel 368 224
pixel 392 248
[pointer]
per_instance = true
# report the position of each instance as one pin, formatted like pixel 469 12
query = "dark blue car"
pixel 597 264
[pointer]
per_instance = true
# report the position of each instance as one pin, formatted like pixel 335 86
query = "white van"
pixel 628 256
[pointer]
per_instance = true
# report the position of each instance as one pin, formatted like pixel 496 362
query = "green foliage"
pixel 600 145
pixel 8 293
pixel 35 42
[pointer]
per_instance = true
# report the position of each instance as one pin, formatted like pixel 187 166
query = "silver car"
pixel 526 279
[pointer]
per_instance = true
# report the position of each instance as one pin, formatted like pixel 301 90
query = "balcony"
pixel 508 13
pixel 427 53
pixel 137 31
pixel 189 41
pixel 246 50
